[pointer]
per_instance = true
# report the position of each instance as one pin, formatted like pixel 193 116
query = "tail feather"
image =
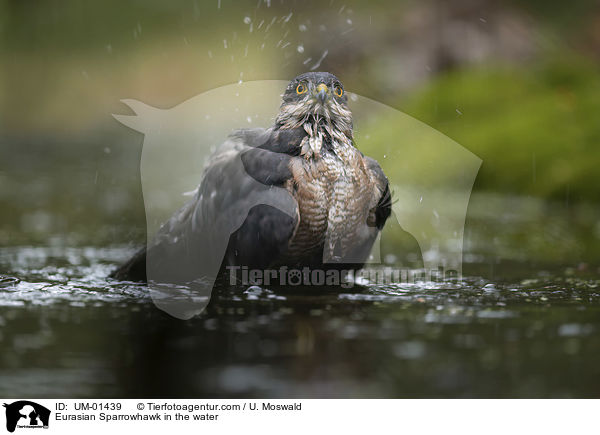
pixel 134 269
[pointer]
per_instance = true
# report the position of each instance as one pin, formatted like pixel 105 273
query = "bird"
pixel 296 194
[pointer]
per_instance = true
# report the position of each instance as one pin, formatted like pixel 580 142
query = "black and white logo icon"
pixel 26 414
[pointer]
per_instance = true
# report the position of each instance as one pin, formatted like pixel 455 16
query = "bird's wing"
pixel 240 212
pixel 383 208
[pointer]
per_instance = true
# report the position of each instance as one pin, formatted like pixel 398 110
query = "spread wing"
pixel 240 214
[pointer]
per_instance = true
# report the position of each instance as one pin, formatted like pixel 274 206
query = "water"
pixel 68 331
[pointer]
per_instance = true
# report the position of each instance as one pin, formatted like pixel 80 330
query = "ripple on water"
pixel 371 339
pixel 70 276
pixel 77 277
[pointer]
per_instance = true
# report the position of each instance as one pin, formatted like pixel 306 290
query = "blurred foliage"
pixel 563 16
pixel 536 129
pixel 514 82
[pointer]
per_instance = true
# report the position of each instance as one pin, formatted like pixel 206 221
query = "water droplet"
pixel 300 49
pixel 247 20
pixel 316 65
pixel 302 28
pixel 489 287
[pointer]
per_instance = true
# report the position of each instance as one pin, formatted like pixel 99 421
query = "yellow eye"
pixel 338 90
pixel 300 89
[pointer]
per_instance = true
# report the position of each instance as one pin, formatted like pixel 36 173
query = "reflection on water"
pixel 68 331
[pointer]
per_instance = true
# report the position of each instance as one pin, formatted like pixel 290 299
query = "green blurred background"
pixel 515 82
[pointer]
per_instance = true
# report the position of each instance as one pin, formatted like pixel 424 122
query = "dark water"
pixel 67 331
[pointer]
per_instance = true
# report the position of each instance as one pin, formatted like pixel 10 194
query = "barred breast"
pixel 335 193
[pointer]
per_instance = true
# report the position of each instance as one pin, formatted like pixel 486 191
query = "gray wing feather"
pixel 383 209
pixel 230 203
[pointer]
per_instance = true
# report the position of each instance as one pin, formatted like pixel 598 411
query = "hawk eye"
pixel 338 90
pixel 300 89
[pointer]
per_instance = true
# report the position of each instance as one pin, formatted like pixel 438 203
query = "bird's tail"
pixel 134 269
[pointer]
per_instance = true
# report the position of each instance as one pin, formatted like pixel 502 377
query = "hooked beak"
pixel 322 92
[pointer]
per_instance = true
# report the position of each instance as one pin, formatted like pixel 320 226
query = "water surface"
pixel 68 331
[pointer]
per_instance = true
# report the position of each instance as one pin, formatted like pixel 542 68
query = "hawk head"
pixel 316 99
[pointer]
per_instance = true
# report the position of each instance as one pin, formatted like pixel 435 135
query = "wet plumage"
pixel 296 194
